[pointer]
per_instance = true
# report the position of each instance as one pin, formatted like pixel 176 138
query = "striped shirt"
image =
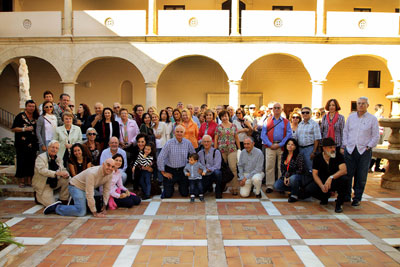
pixel 143 161
pixel 175 154
pixel 308 132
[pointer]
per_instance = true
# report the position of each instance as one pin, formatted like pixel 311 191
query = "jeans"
pixel 79 207
pixel 294 185
pixel 145 182
pixel 357 167
pixel 306 152
pixel 177 177
pixel 196 187
pixel 214 177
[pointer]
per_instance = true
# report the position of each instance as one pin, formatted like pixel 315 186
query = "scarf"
pixel 331 125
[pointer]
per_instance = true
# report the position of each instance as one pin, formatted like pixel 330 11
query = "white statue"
pixel 23 82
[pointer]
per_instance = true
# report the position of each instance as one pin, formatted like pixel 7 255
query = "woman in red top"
pixel 208 127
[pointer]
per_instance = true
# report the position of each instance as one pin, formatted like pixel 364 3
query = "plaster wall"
pixel 342 83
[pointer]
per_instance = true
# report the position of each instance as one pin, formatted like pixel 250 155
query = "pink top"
pixel 132 131
pixel 116 182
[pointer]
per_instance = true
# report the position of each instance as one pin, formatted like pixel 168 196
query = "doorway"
pixel 227 6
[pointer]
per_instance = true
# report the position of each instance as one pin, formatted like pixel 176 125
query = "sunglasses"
pixel 48 107
pixel 305 112
pixel 296 117
pixel 277 107
pixel 252 108
pixel 91 134
pixel 71 106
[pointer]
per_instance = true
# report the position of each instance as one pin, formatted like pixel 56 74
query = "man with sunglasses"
pixel 308 135
pixel 275 132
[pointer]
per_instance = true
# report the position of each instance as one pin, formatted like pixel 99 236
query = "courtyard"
pixel 225 232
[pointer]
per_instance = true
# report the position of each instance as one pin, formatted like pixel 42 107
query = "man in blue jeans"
pixel 81 188
pixel 360 135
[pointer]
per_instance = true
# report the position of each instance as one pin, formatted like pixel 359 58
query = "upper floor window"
pixel 174 7
pixel 374 79
pixel 6 5
pixel 284 8
pixel 397 10
pixel 361 9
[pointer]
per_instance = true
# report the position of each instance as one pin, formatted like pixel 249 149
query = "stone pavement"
pixel 227 232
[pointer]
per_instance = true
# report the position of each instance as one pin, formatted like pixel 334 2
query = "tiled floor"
pixel 226 232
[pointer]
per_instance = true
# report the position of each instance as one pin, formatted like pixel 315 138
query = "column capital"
pixel 318 82
pixel 150 84
pixel 238 82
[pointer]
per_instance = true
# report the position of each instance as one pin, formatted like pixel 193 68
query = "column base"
pixel 391 178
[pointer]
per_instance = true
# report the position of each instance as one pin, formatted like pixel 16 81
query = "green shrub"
pixel 7 151
pixel 6 236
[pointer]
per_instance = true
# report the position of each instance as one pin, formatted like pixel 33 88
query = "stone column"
pixel 151 94
pixel 320 17
pixel 317 88
pixel 67 17
pixel 235 18
pixel 69 88
pixel 151 23
pixel 234 93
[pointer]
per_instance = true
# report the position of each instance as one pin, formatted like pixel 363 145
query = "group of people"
pixel 90 158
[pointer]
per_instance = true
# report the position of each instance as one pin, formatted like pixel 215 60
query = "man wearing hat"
pixel 329 173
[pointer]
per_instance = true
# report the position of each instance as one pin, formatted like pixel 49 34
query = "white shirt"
pixel 50 124
pixel 361 131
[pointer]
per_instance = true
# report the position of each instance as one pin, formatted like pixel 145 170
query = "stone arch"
pixel 31 51
pixel 148 68
pixel 191 78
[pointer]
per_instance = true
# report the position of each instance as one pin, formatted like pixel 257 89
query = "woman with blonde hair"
pixel 191 128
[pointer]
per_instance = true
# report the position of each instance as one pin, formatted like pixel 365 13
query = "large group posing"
pixel 91 158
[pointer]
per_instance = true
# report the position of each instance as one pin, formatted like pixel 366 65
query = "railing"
pixel 6 118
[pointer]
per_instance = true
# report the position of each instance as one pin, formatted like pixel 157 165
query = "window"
pixel 397 10
pixel 374 79
pixel 357 9
pixel 174 7
pixel 353 106
pixel 6 5
pixel 284 8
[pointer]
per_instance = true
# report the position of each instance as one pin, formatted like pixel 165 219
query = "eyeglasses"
pixel 116 107
pixel 277 107
pixel 305 112
pixel 91 134
pixel 71 106
pixel 296 117
pixel 238 113
pixel 252 108
pixel 48 106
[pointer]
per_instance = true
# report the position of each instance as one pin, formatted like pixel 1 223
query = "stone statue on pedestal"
pixel 24 84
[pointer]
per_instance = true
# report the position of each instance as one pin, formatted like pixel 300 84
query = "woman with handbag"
pixel 293 170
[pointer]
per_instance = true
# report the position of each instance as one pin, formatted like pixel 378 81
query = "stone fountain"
pixel 391 178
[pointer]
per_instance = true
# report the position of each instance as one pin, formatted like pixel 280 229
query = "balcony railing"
pixel 362 24
pixel 193 22
pixel 109 23
pixel 198 23
pixel 6 118
pixel 278 23
pixel 30 24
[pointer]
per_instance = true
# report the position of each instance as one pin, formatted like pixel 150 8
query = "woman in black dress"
pixel 107 128
pixel 26 142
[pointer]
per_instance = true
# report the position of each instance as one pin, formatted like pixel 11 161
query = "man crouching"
pixel 81 188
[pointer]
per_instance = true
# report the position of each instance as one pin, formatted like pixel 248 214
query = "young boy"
pixel 191 170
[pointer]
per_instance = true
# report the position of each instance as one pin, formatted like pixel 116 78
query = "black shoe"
pixel 201 198
pixel 269 190
pixel 324 202
pixel 192 199
pixel 338 208
pixel 259 195
pixel 355 203
pixel 210 189
pixel 145 197
pixel 292 199
pixel 218 196
pixel 51 208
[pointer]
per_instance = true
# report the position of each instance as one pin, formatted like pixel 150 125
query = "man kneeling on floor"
pixel 50 175
pixel 81 188
pixel 329 173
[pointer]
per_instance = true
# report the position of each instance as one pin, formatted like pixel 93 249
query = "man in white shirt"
pixel 360 135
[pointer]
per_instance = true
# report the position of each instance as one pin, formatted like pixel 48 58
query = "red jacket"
pixel 212 126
